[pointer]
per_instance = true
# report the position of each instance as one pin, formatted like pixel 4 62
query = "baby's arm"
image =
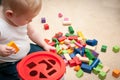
pixel 6 50
pixel 36 37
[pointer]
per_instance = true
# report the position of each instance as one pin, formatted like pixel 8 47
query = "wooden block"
pixel 116 49
pixel 66 41
pixel 77 68
pixel 67 57
pixel 67 23
pixel 106 69
pixel 116 73
pixel 12 44
pixel 72 63
pixel 46 26
pixel 79 73
pixel 91 47
pixel 60 15
pixel 80 35
pixel 102 75
pixel 83 59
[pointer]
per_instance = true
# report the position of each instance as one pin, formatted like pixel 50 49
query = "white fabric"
pixel 18 35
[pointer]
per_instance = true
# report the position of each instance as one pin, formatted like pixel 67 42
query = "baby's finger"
pixel 9 48
pixel 6 54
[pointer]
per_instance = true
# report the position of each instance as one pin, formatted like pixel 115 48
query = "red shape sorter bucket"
pixel 41 65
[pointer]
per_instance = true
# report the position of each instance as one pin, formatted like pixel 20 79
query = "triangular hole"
pixel 42 75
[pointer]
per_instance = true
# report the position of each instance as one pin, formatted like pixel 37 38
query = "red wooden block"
pixel 73 38
pixel 59 34
pixel 46 26
pixel 62 38
pixel 72 63
pixel 79 45
pixel 60 15
pixel 77 60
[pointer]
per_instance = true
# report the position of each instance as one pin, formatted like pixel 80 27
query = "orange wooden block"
pixel 77 68
pixel 116 73
pixel 12 44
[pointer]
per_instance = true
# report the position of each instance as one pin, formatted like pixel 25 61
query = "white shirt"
pixel 18 35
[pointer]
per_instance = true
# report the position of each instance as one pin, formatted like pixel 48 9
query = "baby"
pixel 15 26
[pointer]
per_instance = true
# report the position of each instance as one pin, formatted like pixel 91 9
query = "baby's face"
pixel 22 19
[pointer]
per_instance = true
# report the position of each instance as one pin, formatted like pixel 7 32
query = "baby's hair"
pixel 21 6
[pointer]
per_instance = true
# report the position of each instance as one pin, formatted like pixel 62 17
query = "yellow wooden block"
pixel 70 51
pixel 60 52
pixel 80 35
pixel 12 44
pixel 62 42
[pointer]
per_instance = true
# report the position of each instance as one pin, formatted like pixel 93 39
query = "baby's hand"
pixel 49 48
pixel 6 50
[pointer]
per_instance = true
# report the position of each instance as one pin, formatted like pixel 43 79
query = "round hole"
pixel 33 73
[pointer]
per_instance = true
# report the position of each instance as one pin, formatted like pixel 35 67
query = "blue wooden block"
pixel 80 51
pixel 86 68
pixel 77 50
pixel 92 42
pixel 95 63
pixel 72 55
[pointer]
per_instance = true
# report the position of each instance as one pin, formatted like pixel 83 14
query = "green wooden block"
pixel 96 70
pixel 58 48
pixel 64 51
pixel 100 66
pixel 67 34
pixel 102 75
pixel 103 48
pixel 56 41
pixel 90 62
pixel 73 41
pixel 79 73
pixel 116 49
pixel 89 54
pixel 70 28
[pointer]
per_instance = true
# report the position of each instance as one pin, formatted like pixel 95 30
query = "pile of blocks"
pixel 79 52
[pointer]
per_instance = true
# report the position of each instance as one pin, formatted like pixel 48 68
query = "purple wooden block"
pixel 95 53
pixel 43 20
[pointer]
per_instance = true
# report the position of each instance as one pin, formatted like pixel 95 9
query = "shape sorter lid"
pixel 41 65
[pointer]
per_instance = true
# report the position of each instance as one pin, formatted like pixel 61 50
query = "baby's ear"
pixel 9 13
